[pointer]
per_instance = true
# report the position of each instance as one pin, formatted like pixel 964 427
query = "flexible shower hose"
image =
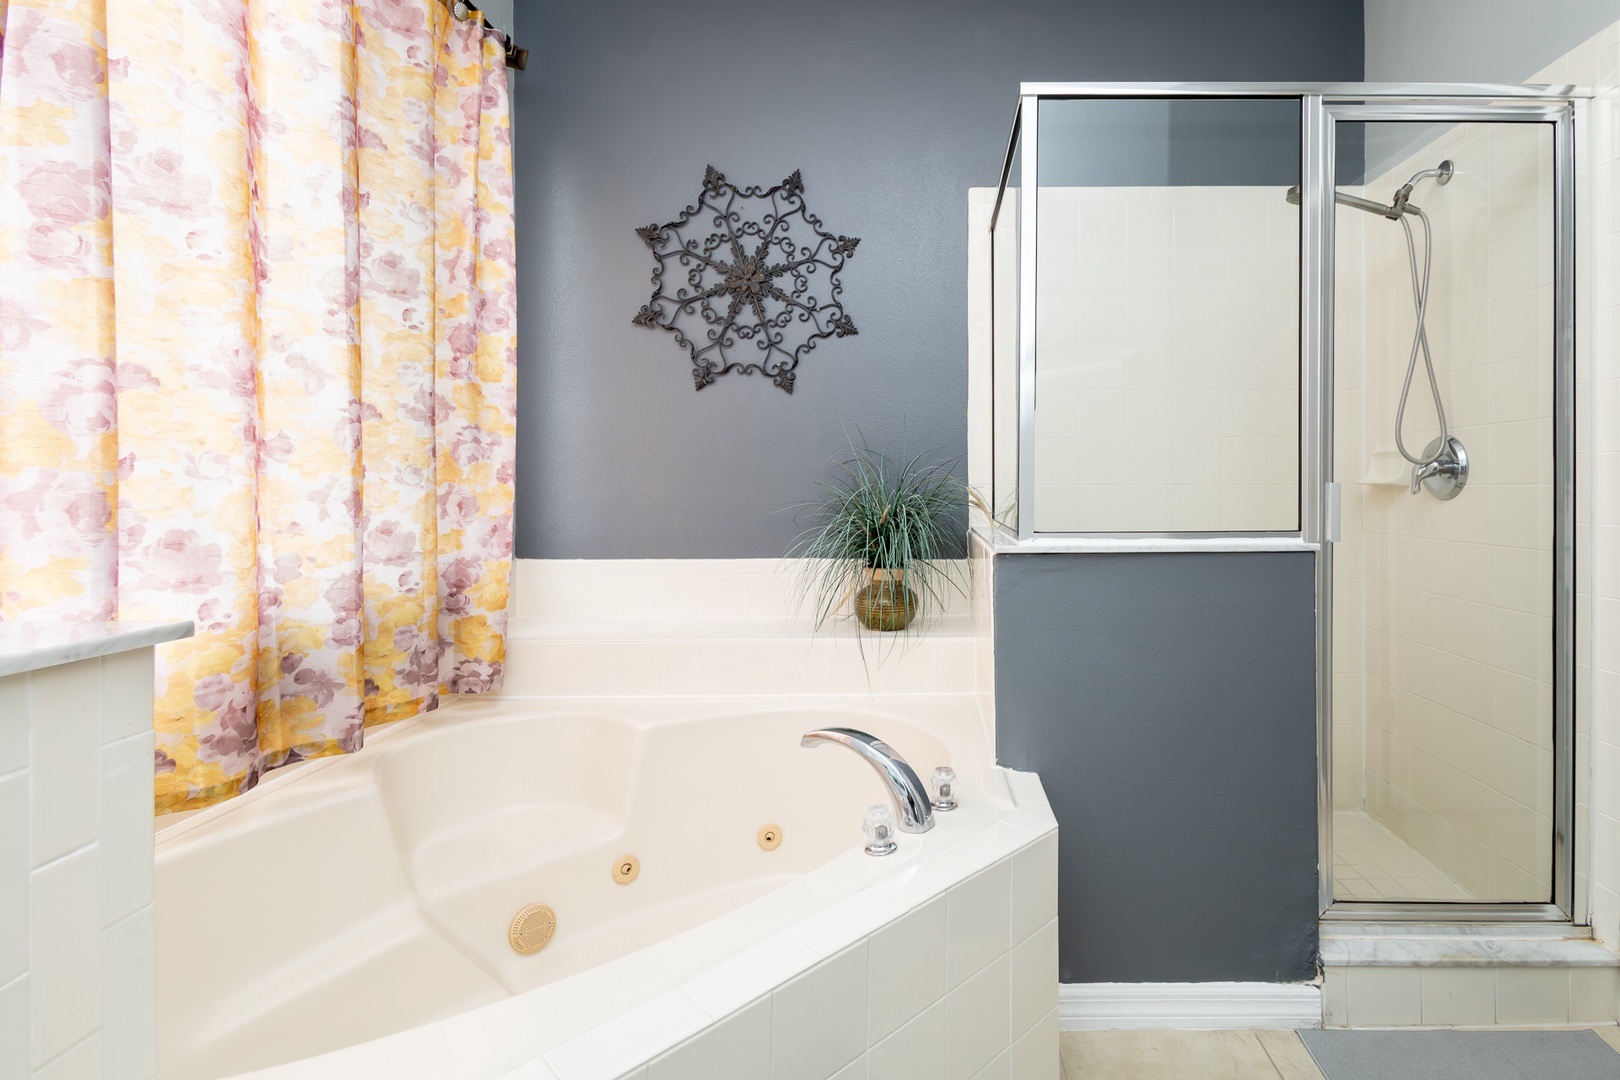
pixel 1420 338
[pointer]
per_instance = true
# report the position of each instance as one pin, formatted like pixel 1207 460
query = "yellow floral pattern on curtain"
pixel 257 359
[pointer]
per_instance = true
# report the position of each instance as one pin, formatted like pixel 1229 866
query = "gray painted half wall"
pixel 892 110
pixel 1168 703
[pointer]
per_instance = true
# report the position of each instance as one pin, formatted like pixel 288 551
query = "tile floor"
pixel 1205 1055
pixel 1372 863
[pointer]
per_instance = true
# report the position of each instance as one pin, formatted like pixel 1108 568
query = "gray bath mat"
pixel 1462 1055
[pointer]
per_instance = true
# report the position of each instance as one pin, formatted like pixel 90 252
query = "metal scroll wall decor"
pixel 746 262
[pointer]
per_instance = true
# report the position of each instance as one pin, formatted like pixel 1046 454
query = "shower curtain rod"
pixel 515 57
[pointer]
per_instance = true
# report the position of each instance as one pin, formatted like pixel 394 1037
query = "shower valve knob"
pixel 1445 473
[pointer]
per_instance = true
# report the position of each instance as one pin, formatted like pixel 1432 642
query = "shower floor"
pixel 1372 863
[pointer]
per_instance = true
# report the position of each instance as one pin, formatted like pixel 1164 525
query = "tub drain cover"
pixel 532 928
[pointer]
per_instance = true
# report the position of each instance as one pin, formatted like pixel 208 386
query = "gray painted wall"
pixel 1476 40
pixel 893 110
pixel 1168 703
pixel 1145 141
pixel 498 13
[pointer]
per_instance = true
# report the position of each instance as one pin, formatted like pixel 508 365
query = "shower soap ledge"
pixel 1387 468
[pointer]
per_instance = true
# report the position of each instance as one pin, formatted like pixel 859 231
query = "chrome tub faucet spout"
pixel 906 790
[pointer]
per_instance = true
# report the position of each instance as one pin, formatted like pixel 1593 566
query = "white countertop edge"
pixel 29 646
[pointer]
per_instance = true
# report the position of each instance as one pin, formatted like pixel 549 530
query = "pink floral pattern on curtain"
pixel 257 359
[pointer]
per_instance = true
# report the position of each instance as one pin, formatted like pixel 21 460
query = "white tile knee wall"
pixel 76 930
pixel 963 987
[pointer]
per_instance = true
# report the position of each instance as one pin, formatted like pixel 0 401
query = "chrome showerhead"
pixel 1441 175
pixel 1398 206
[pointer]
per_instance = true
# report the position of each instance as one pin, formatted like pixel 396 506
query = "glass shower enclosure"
pixel 1336 319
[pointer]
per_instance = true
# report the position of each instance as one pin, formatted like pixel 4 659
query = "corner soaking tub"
pixel 350 919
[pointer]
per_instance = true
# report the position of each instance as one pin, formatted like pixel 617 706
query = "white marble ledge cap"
pixel 29 646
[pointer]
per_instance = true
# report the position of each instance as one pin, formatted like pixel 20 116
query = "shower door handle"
pixel 1330 513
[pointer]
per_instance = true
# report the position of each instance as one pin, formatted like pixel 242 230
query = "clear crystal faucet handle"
pixel 879 829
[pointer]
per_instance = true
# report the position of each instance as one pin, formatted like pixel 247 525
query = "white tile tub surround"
pixel 949 989
pixel 942 957
pixel 76 943
pixel 681 627
pixel 651 592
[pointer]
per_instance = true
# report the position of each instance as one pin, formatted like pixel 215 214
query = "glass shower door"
pixel 1451 578
pixel 1166 344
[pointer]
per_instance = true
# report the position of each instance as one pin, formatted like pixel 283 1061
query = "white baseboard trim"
pixel 1188 1006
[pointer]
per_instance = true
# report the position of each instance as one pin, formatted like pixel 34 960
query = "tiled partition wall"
pixel 993 332
pixel 980 325
pixel 76 932
pixel 1458 617
pixel 1001 288
pixel 1167 386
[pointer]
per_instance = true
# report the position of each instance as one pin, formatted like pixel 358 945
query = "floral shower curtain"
pixel 257 358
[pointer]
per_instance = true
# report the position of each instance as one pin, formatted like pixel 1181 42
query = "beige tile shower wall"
pixel 1596 64
pixel 1458 621
pixel 1349 570
pixel 1167 389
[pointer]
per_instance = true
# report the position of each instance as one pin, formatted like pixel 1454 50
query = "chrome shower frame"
pixel 1322 106
pixel 1558 112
